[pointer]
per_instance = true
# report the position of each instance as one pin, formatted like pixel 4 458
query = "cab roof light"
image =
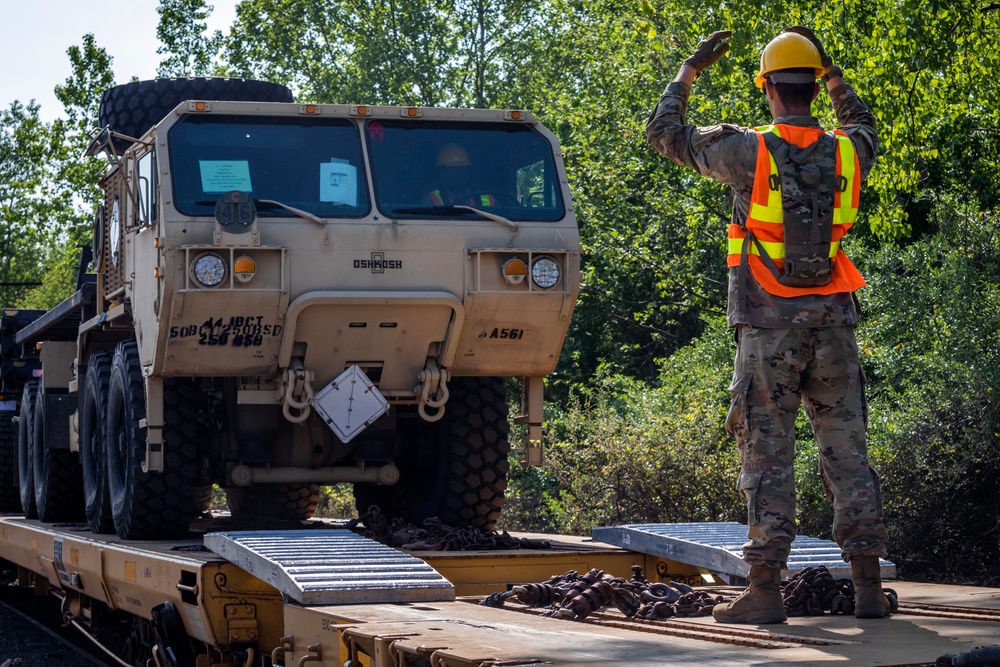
pixel 412 112
pixel 361 110
pixel 310 109
pixel 199 106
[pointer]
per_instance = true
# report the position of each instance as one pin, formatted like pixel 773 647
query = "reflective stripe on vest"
pixel 435 196
pixel 774 250
pixel 845 203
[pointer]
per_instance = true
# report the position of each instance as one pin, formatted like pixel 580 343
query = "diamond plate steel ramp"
pixel 326 567
pixel 718 547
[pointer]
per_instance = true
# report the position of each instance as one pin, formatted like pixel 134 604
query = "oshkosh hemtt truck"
pixel 288 295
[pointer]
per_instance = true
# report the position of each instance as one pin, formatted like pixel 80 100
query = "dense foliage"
pixel 636 409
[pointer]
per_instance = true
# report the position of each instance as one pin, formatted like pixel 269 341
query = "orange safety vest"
pixel 766 217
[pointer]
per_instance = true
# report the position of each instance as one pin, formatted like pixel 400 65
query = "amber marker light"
pixel 244 269
pixel 200 106
pixel 514 271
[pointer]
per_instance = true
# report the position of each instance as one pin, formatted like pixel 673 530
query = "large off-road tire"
pixel 147 505
pixel 278 502
pixel 25 437
pixel 56 473
pixel 10 498
pixel 93 413
pixel 183 399
pixel 132 108
pixel 456 468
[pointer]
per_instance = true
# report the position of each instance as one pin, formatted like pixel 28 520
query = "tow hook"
pixel 433 390
pixel 297 392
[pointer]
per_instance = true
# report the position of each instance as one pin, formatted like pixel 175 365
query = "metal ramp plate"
pixel 327 567
pixel 718 547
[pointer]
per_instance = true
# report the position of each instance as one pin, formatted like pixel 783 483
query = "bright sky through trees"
pixel 35 36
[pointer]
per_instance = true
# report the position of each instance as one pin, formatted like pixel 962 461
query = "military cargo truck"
pixel 287 295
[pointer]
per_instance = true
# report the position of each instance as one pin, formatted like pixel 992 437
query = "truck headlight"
pixel 209 269
pixel 545 272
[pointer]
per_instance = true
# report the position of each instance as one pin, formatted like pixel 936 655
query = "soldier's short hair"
pixel 796 94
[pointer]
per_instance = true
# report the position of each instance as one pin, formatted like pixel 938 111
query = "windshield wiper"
pixel 492 216
pixel 271 203
pixel 311 217
pixel 458 208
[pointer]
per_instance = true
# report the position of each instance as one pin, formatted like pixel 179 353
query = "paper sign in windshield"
pixel 338 182
pixel 225 175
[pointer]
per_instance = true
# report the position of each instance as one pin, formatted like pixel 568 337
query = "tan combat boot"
pixel 759 604
pixel 869 600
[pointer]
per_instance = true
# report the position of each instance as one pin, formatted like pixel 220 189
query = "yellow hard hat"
pixel 452 155
pixel 789 50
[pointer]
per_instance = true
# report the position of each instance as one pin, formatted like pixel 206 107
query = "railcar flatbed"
pixel 224 607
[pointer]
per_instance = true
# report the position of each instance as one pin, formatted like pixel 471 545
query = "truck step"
pixel 328 567
pixel 717 547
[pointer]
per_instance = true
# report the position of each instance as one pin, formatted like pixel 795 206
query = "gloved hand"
pixel 709 50
pixel 824 59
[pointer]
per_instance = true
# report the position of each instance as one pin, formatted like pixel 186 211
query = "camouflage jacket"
pixel 728 154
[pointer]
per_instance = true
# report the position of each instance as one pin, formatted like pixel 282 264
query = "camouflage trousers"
pixel 776 371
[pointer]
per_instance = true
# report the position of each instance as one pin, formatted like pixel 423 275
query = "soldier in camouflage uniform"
pixel 791 349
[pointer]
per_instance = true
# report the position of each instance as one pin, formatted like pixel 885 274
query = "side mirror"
pixel 100 142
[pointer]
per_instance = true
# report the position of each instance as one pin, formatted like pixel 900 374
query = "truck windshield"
pixel 313 164
pixel 428 169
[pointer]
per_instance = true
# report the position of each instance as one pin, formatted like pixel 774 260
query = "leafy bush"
pixel 931 351
pixel 624 451
pixel 336 501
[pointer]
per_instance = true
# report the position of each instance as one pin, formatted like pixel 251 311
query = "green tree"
pixel 492 35
pixel 91 75
pixel 68 182
pixel 29 199
pixel 424 52
pixel 652 233
pixel 346 51
pixel 182 30
pixel 921 65
pixel 932 356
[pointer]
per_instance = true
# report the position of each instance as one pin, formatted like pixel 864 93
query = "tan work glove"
pixel 824 59
pixel 709 50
